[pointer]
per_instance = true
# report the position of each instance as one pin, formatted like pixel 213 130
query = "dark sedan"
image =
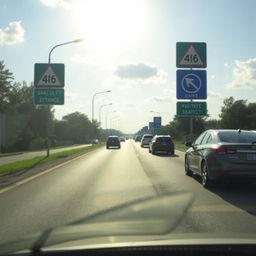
pixel 218 154
pixel 161 143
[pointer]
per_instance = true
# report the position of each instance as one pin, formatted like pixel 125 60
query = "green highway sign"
pixel 191 109
pixel 48 96
pixel 49 75
pixel 191 55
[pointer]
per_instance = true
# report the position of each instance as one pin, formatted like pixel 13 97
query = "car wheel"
pixel 107 147
pixel 153 152
pixel 172 152
pixel 149 150
pixel 187 169
pixel 206 182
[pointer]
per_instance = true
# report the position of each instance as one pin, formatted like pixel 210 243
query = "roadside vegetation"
pixel 24 126
pixel 30 163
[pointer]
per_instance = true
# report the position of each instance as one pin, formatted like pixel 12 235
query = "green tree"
pixel 237 114
pixel 6 79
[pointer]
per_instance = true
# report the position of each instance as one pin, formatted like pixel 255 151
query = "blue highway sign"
pixel 157 122
pixel 191 84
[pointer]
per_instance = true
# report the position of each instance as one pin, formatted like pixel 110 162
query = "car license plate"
pixel 251 156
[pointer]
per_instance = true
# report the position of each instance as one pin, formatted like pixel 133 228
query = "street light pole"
pixel 114 118
pixel 70 42
pixel 93 101
pixel 106 118
pixel 48 106
pixel 104 105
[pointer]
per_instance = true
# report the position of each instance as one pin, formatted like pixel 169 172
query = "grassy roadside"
pixel 10 154
pixel 29 163
pixel 180 145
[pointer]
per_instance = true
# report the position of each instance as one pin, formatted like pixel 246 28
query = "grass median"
pixel 30 163
pixel 180 145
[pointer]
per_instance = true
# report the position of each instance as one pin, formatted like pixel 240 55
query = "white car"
pixel 146 139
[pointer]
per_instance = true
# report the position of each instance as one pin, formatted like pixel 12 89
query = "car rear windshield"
pixel 113 138
pixel 164 139
pixel 148 137
pixel 236 137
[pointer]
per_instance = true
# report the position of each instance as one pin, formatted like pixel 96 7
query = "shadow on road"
pixel 239 193
pixel 166 155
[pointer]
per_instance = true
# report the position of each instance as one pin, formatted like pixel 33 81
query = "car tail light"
pixel 224 150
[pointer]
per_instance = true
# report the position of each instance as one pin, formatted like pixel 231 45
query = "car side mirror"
pixel 189 144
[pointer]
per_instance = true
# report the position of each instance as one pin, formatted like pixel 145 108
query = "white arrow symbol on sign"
pixel 189 82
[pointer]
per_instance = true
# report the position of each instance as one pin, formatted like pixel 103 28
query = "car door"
pixel 194 154
pixel 202 147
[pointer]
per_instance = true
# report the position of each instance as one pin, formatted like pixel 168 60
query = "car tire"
pixel 206 182
pixel 107 147
pixel 172 152
pixel 153 152
pixel 187 169
pixel 149 150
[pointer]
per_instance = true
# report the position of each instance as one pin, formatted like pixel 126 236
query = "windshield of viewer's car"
pixel 82 82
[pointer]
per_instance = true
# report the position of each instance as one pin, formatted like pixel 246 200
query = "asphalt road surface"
pixel 32 154
pixel 105 178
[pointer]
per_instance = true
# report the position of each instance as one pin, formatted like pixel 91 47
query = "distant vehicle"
pixel 162 143
pixel 219 154
pixel 95 141
pixel 146 139
pixel 137 138
pixel 113 141
pixel 122 138
pixel 127 138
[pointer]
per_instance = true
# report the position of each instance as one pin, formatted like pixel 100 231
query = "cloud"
pixel 140 73
pixel 226 65
pixel 159 99
pixel 244 74
pixel 169 91
pixel 13 34
pixel 58 3
pixel 71 95
pixel 212 94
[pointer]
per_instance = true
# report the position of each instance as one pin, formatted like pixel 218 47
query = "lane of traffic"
pixel 221 208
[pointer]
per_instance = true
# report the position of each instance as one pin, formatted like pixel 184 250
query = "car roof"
pixel 168 136
pixel 113 136
pixel 148 135
pixel 216 131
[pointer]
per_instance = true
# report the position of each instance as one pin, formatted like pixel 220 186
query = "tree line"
pixel 24 126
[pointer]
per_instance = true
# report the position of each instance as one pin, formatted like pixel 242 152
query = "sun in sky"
pixel 112 24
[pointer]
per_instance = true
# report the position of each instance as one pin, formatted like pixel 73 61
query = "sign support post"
pixel 191 83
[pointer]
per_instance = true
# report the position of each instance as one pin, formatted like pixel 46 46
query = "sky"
pixel 129 47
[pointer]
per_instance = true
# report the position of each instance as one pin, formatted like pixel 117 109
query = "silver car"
pixel 146 139
pixel 218 154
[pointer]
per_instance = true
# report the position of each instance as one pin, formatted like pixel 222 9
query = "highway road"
pixel 32 154
pixel 105 178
